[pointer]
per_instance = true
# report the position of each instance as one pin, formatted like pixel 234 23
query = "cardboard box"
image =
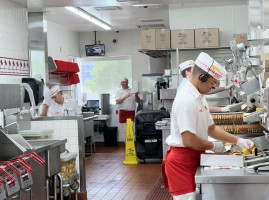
pixel 206 37
pixel 182 38
pixel 241 38
pixel 163 38
pixel 264 56
pixel 148 39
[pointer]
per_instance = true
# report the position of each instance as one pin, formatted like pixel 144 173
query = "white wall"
pixel 229 19
pixel 128 43
pixel 62 42
pixel 13 43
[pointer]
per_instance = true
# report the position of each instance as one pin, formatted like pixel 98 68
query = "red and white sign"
pixel 14 67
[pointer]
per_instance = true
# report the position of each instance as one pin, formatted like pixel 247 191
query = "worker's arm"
pixel 215 109
pixel 190 140
pixel 120 100
pixel 216 90
pixel 219 133
pixel 137 99
pixel 44 112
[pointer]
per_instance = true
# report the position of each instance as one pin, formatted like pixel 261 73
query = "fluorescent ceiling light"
pixel 89 17
pixel 147 5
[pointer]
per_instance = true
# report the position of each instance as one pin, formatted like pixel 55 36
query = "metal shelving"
pixel 161 53
pixel 157 53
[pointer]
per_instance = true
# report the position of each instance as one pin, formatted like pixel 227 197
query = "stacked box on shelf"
pixel 182 38
pixel 206 37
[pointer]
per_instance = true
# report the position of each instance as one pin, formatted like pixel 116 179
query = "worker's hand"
pixel 229 86
pixel 218 147
pixel 226 108
pixel 245 143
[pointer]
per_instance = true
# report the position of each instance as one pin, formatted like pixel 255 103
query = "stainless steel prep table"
pixel 232 184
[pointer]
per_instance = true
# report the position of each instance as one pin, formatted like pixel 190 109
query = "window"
pixel 99 76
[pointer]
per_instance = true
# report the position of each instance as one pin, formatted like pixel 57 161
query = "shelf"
pixel 204 48
pixel 157 74
pixel 161 53
pixel 152 74
pixel 157 53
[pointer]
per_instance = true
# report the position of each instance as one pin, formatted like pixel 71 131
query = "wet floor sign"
pixel 130 153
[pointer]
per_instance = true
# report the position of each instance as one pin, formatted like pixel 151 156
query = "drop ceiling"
pixel 120 14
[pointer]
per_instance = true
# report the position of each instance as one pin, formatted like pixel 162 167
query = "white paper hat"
pixel 185 65
pixel 209 65
pixel 54 90
pixel 38 77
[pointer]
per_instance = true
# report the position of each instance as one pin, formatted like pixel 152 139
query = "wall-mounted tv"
pixel 95 50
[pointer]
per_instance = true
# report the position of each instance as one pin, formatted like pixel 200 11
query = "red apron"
pixel 124 114
pixel 179 168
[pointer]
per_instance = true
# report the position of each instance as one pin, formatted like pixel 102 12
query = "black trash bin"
pixel 110 136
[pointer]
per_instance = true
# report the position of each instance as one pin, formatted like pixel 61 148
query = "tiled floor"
pixel 108 178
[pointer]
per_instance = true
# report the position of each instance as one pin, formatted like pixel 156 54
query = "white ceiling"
pixel 126 18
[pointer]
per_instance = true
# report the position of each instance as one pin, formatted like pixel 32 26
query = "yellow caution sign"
pixel 130 153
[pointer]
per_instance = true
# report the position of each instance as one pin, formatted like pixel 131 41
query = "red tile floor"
pixel 108 178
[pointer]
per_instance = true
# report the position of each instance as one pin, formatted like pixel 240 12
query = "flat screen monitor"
pixel 95 50
pixel 93 103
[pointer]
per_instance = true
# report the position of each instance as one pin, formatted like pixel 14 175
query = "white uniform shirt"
pixel 128 103
pixel 190 112
pixel 69 108
pixel 181 85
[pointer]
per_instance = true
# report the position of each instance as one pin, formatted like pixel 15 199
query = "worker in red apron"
pixel 191 124
pixel 125 99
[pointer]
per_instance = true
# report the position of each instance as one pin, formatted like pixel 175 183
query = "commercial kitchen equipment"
pixel 148 139
pixel 168 96
pixel 105 104
pixel 13 145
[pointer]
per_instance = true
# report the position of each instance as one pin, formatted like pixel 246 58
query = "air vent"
pixel 151 20
pixel 151 26
pixel 107 8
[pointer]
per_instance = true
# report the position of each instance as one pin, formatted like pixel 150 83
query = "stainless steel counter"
pixel 241 175
pixel 44 145
pixel 88 125
pixel 90 118
pixel 81 144
pixel 232 184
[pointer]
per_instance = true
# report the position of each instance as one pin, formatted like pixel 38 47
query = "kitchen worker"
pixel 126 99
pixel 186 69
pixel 47 101
pixel 191 124
pixel 63 106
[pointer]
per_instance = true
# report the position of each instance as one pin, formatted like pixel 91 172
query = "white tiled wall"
pixel 14 42
pixel 62 129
